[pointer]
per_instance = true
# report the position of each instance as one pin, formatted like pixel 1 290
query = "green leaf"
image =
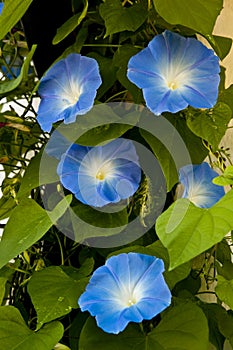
pixel 226 178
pixel 32 223
pixel 6 206
pixel 107 132
pixel 173 144
pixel 164 157
pixel 84 271
pixel 199 15
pixel 225 270
pixel 211 124
pixel 102 123
pixel 220 44
pixel 225 324
pixel 225 96
pixel 197 151
pixel 118 18
pixel 100 219
pixel 54 293
pixel 120 60
pixel 11 85
pixel 187 231
pixel 3 281
pixel 37 175
pixel 62 347
pixel 70 25
pixel 12 12
pixel 75 329
pixel 186 324
pixel 182 327
pixel 224 252
pixel 224 290
pixel 214 314
pixel 190 284
pixel 89 223
pixel 107 72
pixel 14 334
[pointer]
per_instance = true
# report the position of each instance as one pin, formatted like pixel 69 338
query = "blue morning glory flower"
pixel 198 185
pixel 1 7
pixel 68 89
pixel 174 72
pixel 101 175
pixel 128 288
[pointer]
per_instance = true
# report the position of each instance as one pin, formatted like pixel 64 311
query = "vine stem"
pixel 118 94
pixel 111 45
pixel 61 250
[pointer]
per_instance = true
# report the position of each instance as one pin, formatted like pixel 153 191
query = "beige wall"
pixel 224 27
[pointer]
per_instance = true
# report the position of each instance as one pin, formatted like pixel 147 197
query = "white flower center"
pixel 176 77
pixel 131 302
pixel 72 94
pixel 197 194
pixel 173 85
pixel 100 175
pixel 104 171
pixel 130 295
pixel 74 97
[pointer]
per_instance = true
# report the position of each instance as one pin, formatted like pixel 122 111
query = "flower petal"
pixel 198 185
pixel 69 165
pixel 201 93
pixel 88 192
pixel 161 100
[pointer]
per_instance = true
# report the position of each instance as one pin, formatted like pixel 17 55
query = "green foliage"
pixel 120 60
pixel 212 124
pixel 36 176
pixel 164 157
pixel 185 323
pixel 226 178
pixel 194 143
pixel 225 326
pixel 8 86
pixel 199 15
pixel 45 230
pixel 118 18
pixel 224 290
pixel 70 25
pixel 14 333
pixel 3 281
pixel 16 239
pixel 220 44
pixel 225 96
pixel 54 293
pixel 215 315
pixel 186 230
pixel 12 12
pixel 6 205
pixel 107 71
